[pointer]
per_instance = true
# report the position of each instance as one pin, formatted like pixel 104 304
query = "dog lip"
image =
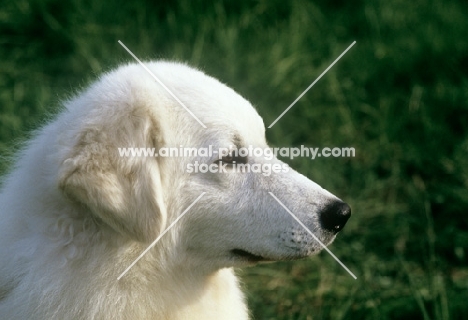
pixel 247 255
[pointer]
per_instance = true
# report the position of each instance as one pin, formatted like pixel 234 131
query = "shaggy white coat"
pixel 74 214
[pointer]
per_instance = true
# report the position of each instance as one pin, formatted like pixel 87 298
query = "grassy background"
pixel 399 97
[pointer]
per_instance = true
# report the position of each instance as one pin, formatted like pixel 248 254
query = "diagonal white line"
pixel 160 236
pixel 162 84
pixel 310 232
pixel 305 91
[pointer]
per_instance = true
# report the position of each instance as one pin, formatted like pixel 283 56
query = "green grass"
pixel 399 97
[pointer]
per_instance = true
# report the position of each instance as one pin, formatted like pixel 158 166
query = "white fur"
pixel 74 214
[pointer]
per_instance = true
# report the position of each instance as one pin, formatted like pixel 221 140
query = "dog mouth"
pixel 245 255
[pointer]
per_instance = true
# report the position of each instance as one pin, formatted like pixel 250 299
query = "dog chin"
pixel 291 253
pixel 247 256
pixel 244 256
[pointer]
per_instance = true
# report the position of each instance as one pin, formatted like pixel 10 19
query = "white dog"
pixel 75 213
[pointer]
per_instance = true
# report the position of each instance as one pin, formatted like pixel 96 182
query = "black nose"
pixel 334 216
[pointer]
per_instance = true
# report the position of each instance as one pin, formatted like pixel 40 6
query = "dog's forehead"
pixel 215 104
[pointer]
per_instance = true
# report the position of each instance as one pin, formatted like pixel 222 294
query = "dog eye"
pixel 228 159
pixel 232 158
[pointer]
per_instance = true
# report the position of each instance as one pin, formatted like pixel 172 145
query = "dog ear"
pixel 124 192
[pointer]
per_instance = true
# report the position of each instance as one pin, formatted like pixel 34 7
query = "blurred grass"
pixel 399 97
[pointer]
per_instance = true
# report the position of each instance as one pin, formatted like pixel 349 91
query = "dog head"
pixel 242 217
